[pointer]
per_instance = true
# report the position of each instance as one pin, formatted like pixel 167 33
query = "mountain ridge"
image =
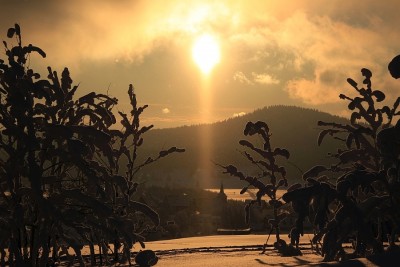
pixel 294 128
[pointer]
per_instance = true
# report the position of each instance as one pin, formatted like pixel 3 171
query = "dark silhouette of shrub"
pixel 60 185
pixel 394 67
pixel 366 195
pixel 265 160
pixel 146 258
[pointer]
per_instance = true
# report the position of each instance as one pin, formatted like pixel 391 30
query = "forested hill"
pixel 293 128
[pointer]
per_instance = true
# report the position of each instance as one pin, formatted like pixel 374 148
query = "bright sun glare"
pixel 206 53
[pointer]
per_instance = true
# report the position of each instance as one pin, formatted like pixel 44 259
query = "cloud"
pixel 311 92
pixel 129 30
pixel 263 78
pixel 241 77
pixel 310 47
pixel 239 114
pixel 260 78
pixel 132 29
pixel 319 47
pixel 166 110
pixel 324 88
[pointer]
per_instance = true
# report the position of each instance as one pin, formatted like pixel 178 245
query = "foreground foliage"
pixel 363 205
pixel 59 167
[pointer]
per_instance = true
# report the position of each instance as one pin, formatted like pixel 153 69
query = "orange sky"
pixel 272 52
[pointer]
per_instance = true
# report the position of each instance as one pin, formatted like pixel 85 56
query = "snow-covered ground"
pixel 240 251
pixel 244 250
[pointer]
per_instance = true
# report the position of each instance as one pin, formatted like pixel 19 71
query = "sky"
pixel 294 52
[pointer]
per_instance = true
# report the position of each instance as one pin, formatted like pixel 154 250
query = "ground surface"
pixel 245 250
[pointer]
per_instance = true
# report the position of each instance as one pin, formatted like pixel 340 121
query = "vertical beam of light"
pixel 205 134
pixel 206 54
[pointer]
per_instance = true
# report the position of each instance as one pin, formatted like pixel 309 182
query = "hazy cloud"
pixel 331 35
pixel 337 41
pixel 260 78
pixel 241 77
pixel 264 78
pixel 313 92
pixel 324 88
pixel 79 30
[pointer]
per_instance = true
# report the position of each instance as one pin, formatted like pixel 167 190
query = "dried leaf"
pixel 282 152
pixel 366 73
pixel 30 48
pixel 244 189
pixel 380 96
pixel 354 117
pixel 10 32
pixel 323 133
pixel 314 171
pixel 394 67
pixel 17 29
pixel 246 143
pixel 88 98
pixel 352 82
pixel 294 187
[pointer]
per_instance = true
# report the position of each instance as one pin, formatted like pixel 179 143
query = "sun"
pixel 206 52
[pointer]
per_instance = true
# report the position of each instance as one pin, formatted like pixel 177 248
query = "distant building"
pixel 222 198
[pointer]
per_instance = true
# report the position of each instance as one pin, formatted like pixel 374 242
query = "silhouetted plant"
pixel 360 135
pixel 59 179
pixel 311 201
pixel 275 175
pixel 366 194
pixel 126 145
